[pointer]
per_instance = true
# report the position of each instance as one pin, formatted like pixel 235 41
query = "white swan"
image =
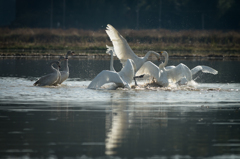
pixel 180 73
pixel 186 72
pixel 121 79
pixel 65 71
pixel 123 50
pixel 50 79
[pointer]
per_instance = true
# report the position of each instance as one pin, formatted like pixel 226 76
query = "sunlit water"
pixel 201 120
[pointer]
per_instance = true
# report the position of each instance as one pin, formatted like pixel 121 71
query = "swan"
pixel 186 72
pixel 50 79
pixel 180 73
pixel 123 51
pixel 163 77
pixel 65 71
pixel 110 51
pixel 121 79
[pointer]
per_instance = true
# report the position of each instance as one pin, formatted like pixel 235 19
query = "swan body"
pixel 50 79
pixel 121 79
pixel 123 51
pixel 65 71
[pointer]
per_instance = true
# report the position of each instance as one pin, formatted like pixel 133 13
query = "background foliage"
pixel 128 14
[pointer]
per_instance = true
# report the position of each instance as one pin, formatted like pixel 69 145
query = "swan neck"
pixel 66 56
pixel 111 63
pixel 66 66
pixel 166 60
pixel 147 55
pixel 53 68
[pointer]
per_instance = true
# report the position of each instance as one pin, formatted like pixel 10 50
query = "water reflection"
pixel 116 123
pixel 71 121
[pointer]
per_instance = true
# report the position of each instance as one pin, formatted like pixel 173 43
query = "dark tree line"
pixel 132 14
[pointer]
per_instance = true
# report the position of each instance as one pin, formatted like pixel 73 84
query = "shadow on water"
pixel 71 121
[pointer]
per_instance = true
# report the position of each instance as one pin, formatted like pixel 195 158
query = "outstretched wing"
pixel 204 69
pixel 169 67
pixel 179 72
pixel 150 69
pixel 106 77
pixel 121 47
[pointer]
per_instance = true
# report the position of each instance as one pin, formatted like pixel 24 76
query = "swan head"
pixel 69 53
pixel 110 50
pixel 164 53
pixel 58 63
pixel 61 58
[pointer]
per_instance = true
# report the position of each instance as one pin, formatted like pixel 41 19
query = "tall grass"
pixel 192 41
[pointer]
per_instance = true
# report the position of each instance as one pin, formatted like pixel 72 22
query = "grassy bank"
pixel 177 42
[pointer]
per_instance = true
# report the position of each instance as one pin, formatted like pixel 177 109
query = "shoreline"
pixel 106 56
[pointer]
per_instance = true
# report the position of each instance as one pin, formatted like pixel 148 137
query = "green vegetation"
pixel 196 42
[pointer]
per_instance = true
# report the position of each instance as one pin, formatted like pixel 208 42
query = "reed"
pixel 191 41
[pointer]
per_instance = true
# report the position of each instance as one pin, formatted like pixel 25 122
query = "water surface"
pixel 71 121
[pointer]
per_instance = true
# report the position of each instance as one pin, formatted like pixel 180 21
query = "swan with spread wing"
pixel 180 73
pixel 123 51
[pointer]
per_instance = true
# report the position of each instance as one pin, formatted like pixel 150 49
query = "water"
pixel 71 121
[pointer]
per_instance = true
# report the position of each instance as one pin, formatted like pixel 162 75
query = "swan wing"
pixel 204 69
pixel 179 72
pixel 47 80
pixel 121 47
pixel 170 67
pixel 106 77
pixel 150 69
pixel 127 72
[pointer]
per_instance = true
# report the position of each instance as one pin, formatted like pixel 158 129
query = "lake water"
pixel 71 121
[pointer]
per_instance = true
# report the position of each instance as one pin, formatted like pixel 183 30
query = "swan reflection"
pixel 125 120
pixel 116 124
